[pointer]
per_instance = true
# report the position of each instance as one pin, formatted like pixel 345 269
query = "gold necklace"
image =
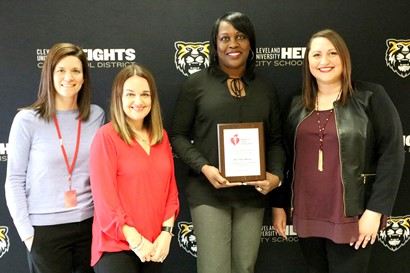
pixel 140 138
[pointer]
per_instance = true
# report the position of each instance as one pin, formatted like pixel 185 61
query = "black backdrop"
pixel 145 32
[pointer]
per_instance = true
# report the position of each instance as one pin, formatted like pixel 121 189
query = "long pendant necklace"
pixel 321 137
pixel 322 132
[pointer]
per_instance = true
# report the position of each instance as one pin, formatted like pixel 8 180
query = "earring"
pixel 214 58
pixel 253 56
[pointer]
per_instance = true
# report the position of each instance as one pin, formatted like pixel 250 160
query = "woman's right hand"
pixel 143 248
pixel 29 243
pixel 216 179
pixel 146 252
pixel 279 221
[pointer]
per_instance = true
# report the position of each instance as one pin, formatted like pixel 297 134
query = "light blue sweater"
pixel 37 176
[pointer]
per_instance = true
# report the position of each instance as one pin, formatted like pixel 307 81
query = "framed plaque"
pixel 241 151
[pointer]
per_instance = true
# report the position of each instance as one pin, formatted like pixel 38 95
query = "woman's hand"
pixel 29 243
pixel 369 225
pixel 279 221
pixel 143 248
pixel 265 186
pixel 146 251
pixel 132 236
pixel 216 179
pixel 162 245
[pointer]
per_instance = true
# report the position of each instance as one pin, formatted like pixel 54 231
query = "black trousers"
pixel 324 256
pixel 125 262
pixel 64 248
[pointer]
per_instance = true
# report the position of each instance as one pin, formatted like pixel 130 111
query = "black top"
pixel 204 102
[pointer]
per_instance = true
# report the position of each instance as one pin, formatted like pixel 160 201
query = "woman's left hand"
pixel 162 245
pixel 369 225
pixel 265 186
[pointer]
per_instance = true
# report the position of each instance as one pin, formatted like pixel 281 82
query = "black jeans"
pixel 324 256
pixel 125 262
pixel 64 248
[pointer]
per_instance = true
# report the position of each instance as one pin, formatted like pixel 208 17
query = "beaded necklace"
pixel 322 132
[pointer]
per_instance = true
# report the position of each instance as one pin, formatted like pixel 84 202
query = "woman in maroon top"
pixel 132 180
pixel 347 161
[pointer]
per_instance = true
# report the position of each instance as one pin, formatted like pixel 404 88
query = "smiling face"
pixel 232 48
pixel 68 79
pixel 136 100
pixel 324 62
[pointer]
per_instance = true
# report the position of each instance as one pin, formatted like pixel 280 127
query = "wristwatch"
pixel 167 229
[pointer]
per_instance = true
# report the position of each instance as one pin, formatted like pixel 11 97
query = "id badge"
pixel 70 198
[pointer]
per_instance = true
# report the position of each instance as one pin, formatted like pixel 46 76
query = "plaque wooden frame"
pixel 222 128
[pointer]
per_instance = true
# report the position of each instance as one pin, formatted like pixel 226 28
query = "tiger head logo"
pixel 186 237
pixel 398 56
pixel 396 234
pixel 191 57
pixel 4 241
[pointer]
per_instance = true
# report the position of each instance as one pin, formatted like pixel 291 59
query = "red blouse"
pixel 129 187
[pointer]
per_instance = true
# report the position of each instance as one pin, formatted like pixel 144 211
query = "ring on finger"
pixel 368 238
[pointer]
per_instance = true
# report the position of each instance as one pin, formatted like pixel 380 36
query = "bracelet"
pixel 139 246
pixel 167 229
pixel 280 183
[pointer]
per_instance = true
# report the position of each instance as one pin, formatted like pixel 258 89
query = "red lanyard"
pixel 69 168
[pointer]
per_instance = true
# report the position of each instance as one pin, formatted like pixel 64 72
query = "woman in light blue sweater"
pixel 47 185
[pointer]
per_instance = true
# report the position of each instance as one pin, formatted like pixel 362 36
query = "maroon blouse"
pixel 318 195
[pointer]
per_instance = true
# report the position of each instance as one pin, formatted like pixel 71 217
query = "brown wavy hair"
pixel 310 87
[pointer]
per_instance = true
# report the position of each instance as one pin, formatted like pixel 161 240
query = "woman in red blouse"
pixel 132 180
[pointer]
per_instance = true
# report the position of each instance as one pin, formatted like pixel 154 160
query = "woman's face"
pixel 232 48
pixel 68 78
pixel 136 99
pixel 324 62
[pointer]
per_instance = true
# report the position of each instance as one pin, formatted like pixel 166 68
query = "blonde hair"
pixel 152 122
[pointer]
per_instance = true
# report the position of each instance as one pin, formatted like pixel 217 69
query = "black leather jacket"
pixel 371 147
